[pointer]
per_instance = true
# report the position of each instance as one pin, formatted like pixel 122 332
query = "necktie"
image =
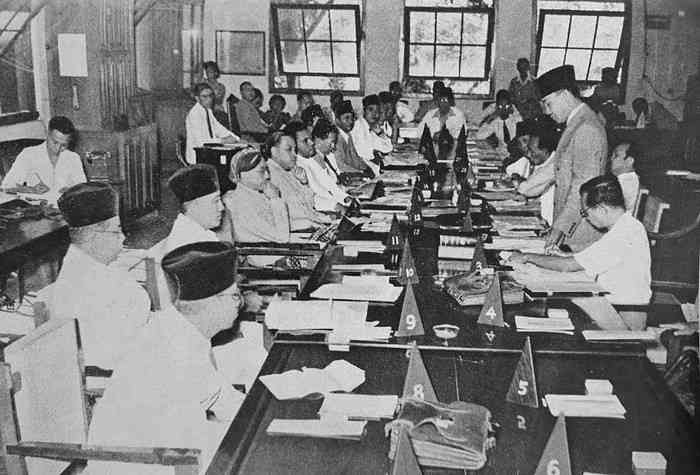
pixel 206 111
pixel 506 133
pixel 337 177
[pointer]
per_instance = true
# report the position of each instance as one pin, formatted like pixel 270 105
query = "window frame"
pixel 462 10
pixel 10 118
pixel 623 51
pixel 276 66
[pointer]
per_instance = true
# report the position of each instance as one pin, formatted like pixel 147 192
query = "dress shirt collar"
pixel 528 78
pixel 575 111
pixel 450 113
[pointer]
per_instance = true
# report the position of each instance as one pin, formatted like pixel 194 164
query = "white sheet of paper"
pixel 72 55
pixel 574 405
pixel 324 428
pixel 288 315
pixel 339 375
pixel 359 288
pixel 643 335
pixel 359 406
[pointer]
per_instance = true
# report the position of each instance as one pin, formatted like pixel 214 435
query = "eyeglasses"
pixel 584 211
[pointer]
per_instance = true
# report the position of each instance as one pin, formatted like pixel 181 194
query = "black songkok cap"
pixel 525 127
pixel 344 107
pixel 372 99
pixel 88 203
pixel 201 269
pixel 193 182
pixel 562 77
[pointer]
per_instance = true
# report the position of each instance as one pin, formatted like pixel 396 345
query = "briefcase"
pixel 455 435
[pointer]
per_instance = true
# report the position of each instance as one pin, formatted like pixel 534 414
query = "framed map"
pixel 241 52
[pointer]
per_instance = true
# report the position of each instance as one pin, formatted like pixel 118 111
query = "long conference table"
pixel 472 368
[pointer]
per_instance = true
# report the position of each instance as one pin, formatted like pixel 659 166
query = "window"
pixel 192 42
pixel 316 48
pixel 588 35
pixel 448 43
pixel 16 68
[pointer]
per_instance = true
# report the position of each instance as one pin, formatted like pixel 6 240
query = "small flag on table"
pixel 408 274
pixel 393 239
pixel 405 461
pixel 555 457
pixel 417 384
pixel 492 311
pixel 479 258
pixel 523 386
pixel 411 323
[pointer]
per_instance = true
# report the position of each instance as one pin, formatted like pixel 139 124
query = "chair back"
pixel 180 149
pixel 234 125
pixel 47 379
pixel 638 204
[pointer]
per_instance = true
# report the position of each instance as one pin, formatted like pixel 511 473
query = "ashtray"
pixel 445 331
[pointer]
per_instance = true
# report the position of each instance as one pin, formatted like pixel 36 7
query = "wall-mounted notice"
pixel 72 55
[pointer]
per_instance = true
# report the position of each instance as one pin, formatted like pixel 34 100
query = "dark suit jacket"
pixel 346 156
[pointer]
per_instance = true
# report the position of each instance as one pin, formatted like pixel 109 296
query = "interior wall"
pixel 144 49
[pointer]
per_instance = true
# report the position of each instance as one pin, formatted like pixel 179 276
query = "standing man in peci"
pixel 580 155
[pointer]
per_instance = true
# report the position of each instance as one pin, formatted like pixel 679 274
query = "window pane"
pixel 422 26
pixel 5 38
pixel 470 87
pixel 447 62
pixel 345 58
pixel 473 60
pixel 343 25
pixel 317 26
pixel 600 60
pixel 579 60
pixel 582 30
pixel 16 22
pixel 448 25
pixel 322 82
pixel 550 58
pixel 319 57
pixel 293 56
pixel 475 29
pixel 290 24
pixel 555 30
pixel 420 61
pixel 609 32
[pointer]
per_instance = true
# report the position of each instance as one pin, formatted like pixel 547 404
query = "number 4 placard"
pixel 492 311
pixel 555 458
pixel 523 386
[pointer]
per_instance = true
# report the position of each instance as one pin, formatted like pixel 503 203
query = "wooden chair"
pixel 44 418
pixel 180 150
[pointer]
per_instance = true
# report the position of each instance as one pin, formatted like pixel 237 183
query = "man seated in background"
pixel 642 118
pixel 201 125
pixel 368 135
pixel 197 190
pixel 444 115
pixel 304 101
pixel 387 115
pixel 622 166
pixel 311 115
pixel 276 118
pixel 336 98
pixel 292 182
pixel 346 156
pixel 48 167
pixel 111 307
pixel 517 163
pixel 500 122
pixel 403 111
pixel 543 141
pixel 426 106
pixel 167 391
pixel 247 112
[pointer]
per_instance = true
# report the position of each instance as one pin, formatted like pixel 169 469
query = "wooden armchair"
pixel 44 419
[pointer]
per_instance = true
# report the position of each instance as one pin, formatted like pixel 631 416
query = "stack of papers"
pixel 294 384
pixel 505 223
pixel 359 406
pixel 544 325
pixel 573 405
pixel 310 315
pixel 340 338
pixel 359 288
pixel 323 428
pixel 601 335
pixel 353 248
pixel 359 268
pixel 533 245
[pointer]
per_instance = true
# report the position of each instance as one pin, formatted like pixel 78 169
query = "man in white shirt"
pixel 111 307
pixel 368 135
pixel 622 166
pixel 345 155
pixel 517 165
pixel 168 392
pixel 501 122
pixel 445 114
pixel 48 167
pixel 620 260
pixel 403 111
pixel 201 125
pixel 540 181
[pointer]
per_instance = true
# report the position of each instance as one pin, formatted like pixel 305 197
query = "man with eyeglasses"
pixel 620 260
pixel 581 155
pixel 111 307
pixel 501 122
pixel 169 390
pixel 201 125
